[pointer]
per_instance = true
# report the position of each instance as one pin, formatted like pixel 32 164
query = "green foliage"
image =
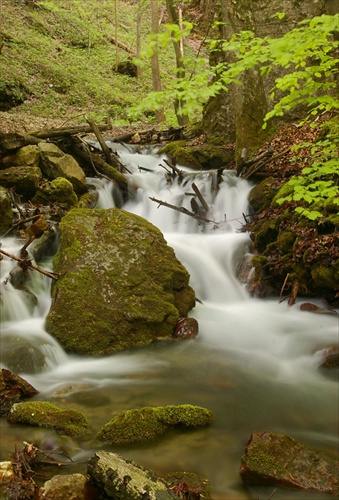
pixel 307 55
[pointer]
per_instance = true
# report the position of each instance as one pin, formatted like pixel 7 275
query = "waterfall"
pixel 254 362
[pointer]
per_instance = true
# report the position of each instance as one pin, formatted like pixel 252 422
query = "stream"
pixel 254 363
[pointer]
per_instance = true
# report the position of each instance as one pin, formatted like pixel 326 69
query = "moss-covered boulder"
pixel 199 157
pixel 279 460
pixel 55 163
pixel 25 180
pixel 148 423
pixel 6 212
pixel 60 190
pixel 28 156
pixel 120 284
pixel 262 194
pixel 43 414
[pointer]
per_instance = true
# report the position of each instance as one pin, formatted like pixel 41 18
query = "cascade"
pixel 254 362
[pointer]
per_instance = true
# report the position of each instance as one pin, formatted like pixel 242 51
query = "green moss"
pixel 262 194
pixel 285 241
pixel 148 423
pixel 326 277
pixel 44 414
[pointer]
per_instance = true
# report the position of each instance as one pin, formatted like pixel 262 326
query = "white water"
pixel 254 362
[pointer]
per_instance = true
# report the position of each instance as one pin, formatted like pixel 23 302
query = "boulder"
pixel 44 414
pixel 279 460
pixel 6 212
pixel 60 190
pixel 25 180
pixel 148 423
pixel 126 480
pixel 13 388
pixel 28 156
pixel 60 487
pixel 120 284
pixel 55 163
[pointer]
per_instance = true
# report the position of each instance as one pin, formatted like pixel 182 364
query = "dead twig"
pixel 184 211
pixel 28 264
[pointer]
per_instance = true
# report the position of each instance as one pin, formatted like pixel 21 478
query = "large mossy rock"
pixel 282 461
pixel 148 423
pixel 44 414
pixel 120 284
pixel 25 180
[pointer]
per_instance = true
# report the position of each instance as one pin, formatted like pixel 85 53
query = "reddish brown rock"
pixel 279 460
pixel 13 388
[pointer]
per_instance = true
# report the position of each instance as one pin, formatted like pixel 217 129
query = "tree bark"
pixel 157 87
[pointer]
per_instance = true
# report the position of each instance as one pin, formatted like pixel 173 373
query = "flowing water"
pixel 254 362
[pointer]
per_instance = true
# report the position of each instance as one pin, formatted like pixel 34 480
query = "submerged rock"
pixel 120 284
pixel 126 480
pixel 44 414
pixel 280 460
pixel 148 423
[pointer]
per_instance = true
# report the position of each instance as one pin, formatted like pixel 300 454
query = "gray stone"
pixel 55 164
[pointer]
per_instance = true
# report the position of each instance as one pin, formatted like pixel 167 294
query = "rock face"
pixel 126 480
pixel 121 285
pixel 280 460
pixel 24 179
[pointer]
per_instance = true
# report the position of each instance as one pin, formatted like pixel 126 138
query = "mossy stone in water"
pixel 44 414
pixel 148 423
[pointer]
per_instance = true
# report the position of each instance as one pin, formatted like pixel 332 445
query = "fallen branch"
pixel 255 167
pixel 183 211
pixel 28 264
pixel 122 46
pixel 201 198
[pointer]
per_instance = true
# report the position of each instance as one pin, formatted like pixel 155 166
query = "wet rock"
pixel 23 358
pixel 280 460
pixel 186 328
pixel 13 388
pixel 121 285
pixel 44 414
pixel 330 363
pixel 6 212
pixel 61 487
pixel 126 480
pixel 262 194
pixel 45 245
pixel 24 179
pixel 148 423
pixel 55 164
pixel 199 157
pixel 89 199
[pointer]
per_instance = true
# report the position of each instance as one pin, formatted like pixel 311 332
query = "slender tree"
pixel 157 87
pixel 175 18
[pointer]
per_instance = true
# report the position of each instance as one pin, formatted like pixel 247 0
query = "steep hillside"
pixel 58 59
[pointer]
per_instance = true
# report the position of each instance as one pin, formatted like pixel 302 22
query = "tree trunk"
pixel 159 113
pixel 182 117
